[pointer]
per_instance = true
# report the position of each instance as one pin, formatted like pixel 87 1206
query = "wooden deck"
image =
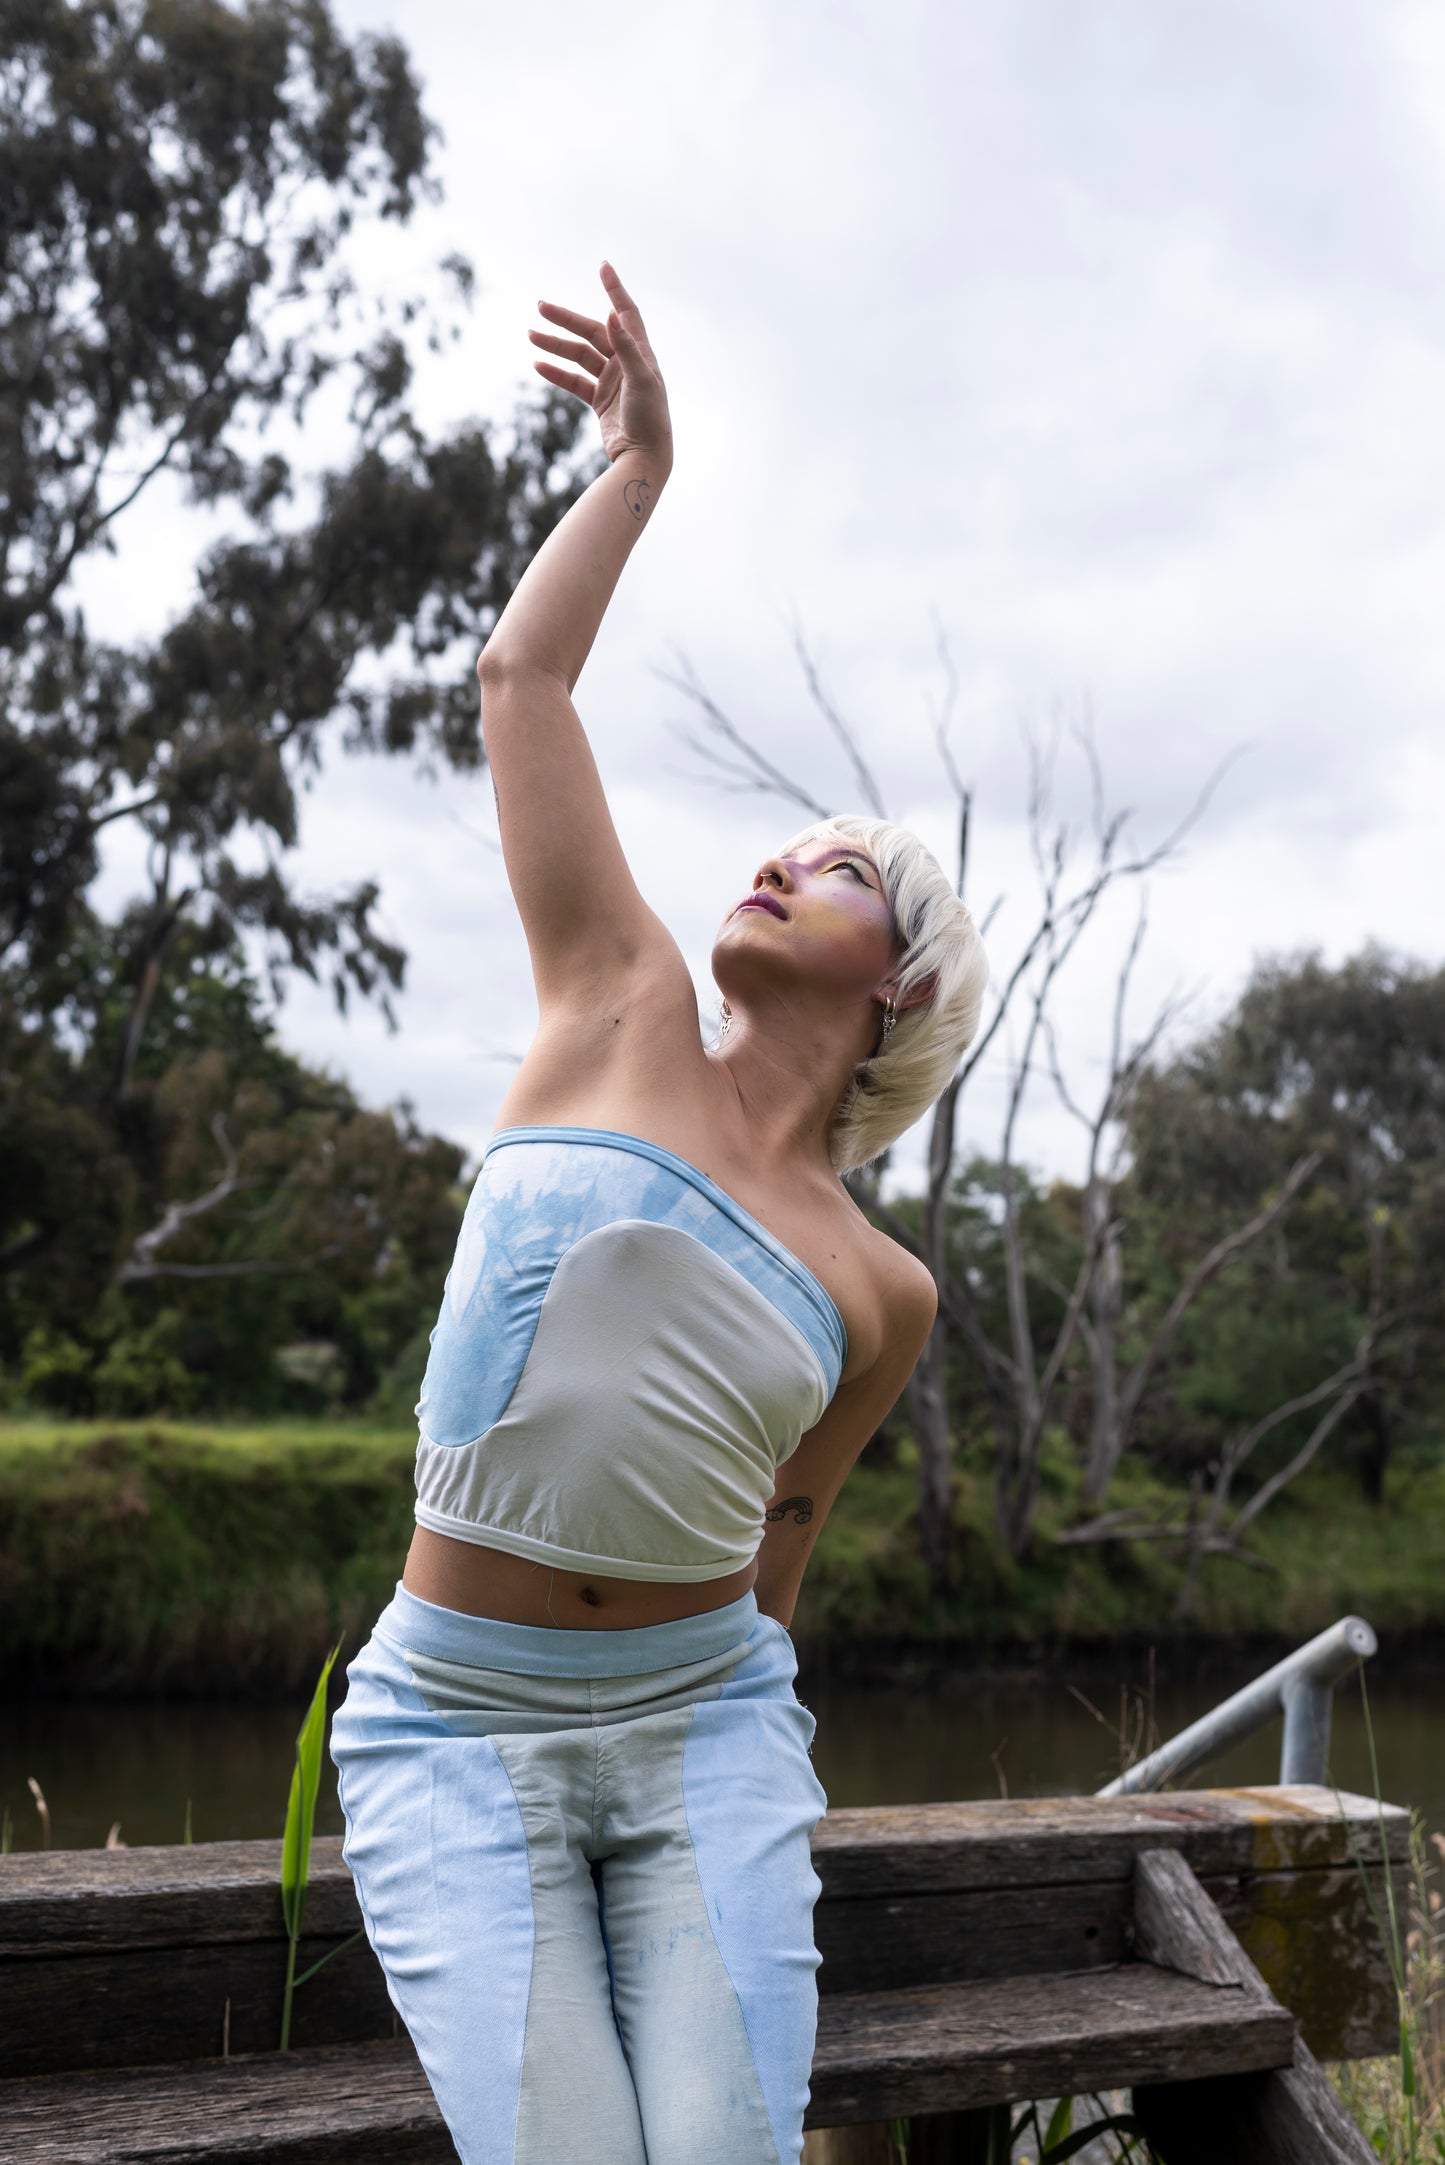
pixel 972 1953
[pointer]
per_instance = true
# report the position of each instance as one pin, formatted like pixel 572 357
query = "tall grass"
pixel 1399 2103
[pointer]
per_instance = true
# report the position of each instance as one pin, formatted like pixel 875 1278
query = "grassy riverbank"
pixel 142 1557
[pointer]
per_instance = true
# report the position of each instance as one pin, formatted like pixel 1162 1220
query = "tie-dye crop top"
pixel 623 1360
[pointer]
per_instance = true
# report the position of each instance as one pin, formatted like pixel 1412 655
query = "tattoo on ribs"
pixel 800 1506
pixel 637 495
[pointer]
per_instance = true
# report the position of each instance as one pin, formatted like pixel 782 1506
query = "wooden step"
pixel 339 2103
pixel 115 1958
pixel 951 2047
pixel 934 2049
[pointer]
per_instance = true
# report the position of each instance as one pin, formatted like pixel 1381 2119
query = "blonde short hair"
pixel 941 949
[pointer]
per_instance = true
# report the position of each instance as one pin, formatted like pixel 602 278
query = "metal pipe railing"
pixel 1301 1688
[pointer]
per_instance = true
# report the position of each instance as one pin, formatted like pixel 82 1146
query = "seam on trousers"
pixel 532 1972
pixel 360 1897
pixel 595 1831
pixel 712 1934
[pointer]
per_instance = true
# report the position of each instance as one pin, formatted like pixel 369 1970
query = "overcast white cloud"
pixel 1113 333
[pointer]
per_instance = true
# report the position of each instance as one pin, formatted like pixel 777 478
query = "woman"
pixel 575 1776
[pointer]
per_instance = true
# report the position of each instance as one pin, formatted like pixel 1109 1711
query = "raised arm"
pixel 580 907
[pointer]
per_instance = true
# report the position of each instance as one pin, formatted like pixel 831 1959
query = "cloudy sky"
pixel 1107 336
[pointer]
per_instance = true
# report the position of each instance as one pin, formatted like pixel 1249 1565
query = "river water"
pixel 140 1766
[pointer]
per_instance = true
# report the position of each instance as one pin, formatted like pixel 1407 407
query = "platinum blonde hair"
pixel 942 949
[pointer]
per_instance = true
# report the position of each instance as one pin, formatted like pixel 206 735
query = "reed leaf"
pixel 296 1846
pixel 301 1805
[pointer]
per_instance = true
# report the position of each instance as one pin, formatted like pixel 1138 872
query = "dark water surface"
pixel 911 1743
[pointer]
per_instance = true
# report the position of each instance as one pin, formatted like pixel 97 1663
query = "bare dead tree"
pixel 1124 1399
pixel 1019 1384
pixel 145 1260
pixel 1213 1532
pixel 1117 1399
pixel 1336 1394
pixel 731 760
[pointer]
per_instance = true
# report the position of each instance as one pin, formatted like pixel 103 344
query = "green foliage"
pixel 1349 1062
pixel 147 1558
pixel 1400 2102
pixel 1335 1306
pixel 151 1557
pixel 301 1805
pixel 1318 1557
pixel 316 1264
pixel 187 194
pixel 296 1843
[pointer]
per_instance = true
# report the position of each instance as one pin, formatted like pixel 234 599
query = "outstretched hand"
pixel 621 380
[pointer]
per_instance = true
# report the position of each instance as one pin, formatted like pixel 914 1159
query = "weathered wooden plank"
pixel 350 2105
pixel 881 1945
pixel 118 2010
pixel 70 1899
pixel 1311 1933
pixel 1314 1939
pixel 952 2047
pixel 1316 1936
pixel 67 1900
pixel 935 1848
pixel 207 1928
pixel 1292 2118
pixel 878 2054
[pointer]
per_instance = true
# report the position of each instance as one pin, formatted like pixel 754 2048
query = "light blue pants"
pixel 583 1861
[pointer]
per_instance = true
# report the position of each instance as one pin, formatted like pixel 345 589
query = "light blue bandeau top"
pixel 623 1360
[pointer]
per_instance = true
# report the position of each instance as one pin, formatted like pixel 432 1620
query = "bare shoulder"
pixel 906 1283
pixel 901 1294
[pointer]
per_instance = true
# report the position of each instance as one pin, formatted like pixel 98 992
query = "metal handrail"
pixel 1301 1688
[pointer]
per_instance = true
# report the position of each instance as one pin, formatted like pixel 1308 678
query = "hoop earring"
pixel 726 1022
pixel 890 1017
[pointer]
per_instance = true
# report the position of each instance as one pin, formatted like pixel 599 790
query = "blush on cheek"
pixel 846 929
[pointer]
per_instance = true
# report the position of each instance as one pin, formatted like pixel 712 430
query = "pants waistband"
pixel 482 1642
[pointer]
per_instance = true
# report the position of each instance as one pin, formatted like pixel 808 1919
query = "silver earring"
pixel 890 1017
pixel 726 1023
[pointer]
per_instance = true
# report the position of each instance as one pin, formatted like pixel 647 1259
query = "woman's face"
pixel 818 915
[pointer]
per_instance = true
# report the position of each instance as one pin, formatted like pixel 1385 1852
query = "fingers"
pixel 571 349
pixel 580 386
pixel 630 352
pixel 617 293
pixel 623 304
pixel 585 326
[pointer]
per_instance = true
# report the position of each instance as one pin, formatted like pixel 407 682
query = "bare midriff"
pixel 513 1590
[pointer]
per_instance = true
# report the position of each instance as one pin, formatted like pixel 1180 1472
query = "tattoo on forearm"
pixel 800 1506
pixel 637 495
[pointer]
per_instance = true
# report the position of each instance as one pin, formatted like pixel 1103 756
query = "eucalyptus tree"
pixel 188 192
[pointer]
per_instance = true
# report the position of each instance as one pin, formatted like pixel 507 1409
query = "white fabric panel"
pixel 661 1393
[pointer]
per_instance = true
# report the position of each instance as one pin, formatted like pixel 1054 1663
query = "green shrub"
pixel 141 1558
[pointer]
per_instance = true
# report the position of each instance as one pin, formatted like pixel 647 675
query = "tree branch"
pixel 753 769
pixel 1221 1254
pixel 141 1262
pixel 862 772
pixel 1309 1449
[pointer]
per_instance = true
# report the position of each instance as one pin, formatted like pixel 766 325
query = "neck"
pixel 790 1069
